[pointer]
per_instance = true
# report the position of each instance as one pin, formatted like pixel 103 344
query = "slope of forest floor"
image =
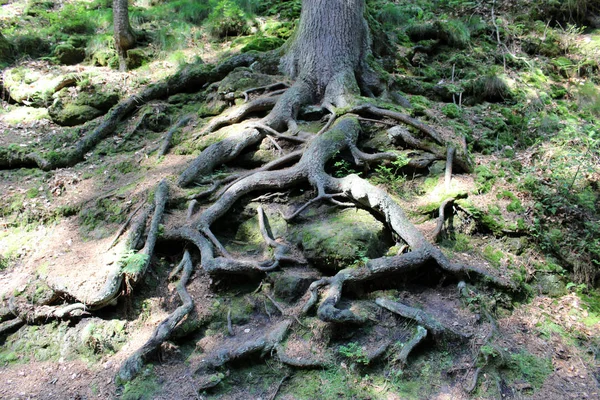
pixel 521 88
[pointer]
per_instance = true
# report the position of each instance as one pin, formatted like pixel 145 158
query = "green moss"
pixel 493 255
pixel 336 241
pixel 143 387
pixel 452 111
pixel 263 43
pixel 67 54
pixel 533 369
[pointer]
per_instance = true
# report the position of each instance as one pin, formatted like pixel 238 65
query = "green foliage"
pixel 287 9
pixel 192 11
pixel 355 353
pixel 133 263
pixel 588 97
pixel 451 111
pixel 227 19
pixel 389 174
pixel 143 387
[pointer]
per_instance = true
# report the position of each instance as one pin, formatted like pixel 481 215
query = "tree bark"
pixel 124 36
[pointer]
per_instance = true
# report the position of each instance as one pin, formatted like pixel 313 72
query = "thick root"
pixel 418 337
pixel 164 148
pixel 160 201
pixel 132 366
pixel 262 345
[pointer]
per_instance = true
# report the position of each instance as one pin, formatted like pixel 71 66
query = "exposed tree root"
pixel 300 362
pixel 442 218
pixel 11 325
pixel 418 337
pixel 160 200
pixel 262 344
pixel 164 148
pixel 237 114
pixel 421 317
pixel 134 363
pixel 269 88
pixel 38 314
pixel 191 78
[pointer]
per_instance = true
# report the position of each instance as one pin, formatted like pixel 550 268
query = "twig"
pixel 278 387
pixel 377 121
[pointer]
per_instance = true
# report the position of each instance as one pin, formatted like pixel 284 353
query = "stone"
pixel 336 240
pixel 550 285
pixel 136 58
pixel 66 54
pixel 291 283
pixel 71 110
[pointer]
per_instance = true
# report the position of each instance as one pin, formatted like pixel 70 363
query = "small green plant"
pixel 451 111
pixel 389 174
pixel 133 263
pixel 227 19
pixel 355 353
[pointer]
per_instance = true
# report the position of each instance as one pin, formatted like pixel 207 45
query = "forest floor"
pixel 529 213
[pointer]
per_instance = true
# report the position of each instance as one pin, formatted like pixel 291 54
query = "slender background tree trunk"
pixel 124 36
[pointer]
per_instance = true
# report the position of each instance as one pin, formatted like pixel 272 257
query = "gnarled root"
pixel 134 363
pixel 262 344
pixel 164 148
pixel 160 201
pixel 417 338
pixel 186 79
pixel 38 314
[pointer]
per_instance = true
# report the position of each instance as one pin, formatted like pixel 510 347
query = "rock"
pixel 290 283
pixel 30 87
pixel 333 241
pixel 550 285
pixel 106 58
pixel 136 58
pixel 66 54
pixel 72 114
pixel 265 153
pixel 71 109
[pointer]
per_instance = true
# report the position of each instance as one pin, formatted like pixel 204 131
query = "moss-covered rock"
pixel 31 87
pixel 290 284
pixel 66 54
pixel 70 110
pixel 550 285
pixel 333 241
pixel 249 233
pixel 263 44
pixel 136 58
pixel 105 58
pixel 72 114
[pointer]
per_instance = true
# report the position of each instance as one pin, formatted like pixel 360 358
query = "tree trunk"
pixel 327 58
pixel 330 48
pixel 124 36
